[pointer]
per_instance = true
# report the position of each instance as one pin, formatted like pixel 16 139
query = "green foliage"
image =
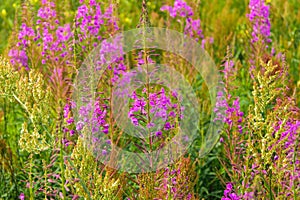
pixel 8 9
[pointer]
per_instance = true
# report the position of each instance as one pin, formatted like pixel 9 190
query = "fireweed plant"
pixel 52 147
pixel 253 142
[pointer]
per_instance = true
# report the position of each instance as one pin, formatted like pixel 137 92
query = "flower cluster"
pixel 192 26
pixel 194 30
pixel 49 34
pixel 231 115
pixel 160 108
pixel 98 117
pixel 259 16
pixel 180 9
pixel 68 119
pixel 22 196
pixel 25 31
pixel 290 133
pixel 229 193
pixel 48 11
pixel 89 22
pixel 288 139
pixel 111 55
pixel 92 115
pixel 18 55
pixel 54 39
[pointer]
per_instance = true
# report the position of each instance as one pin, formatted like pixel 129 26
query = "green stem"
pixel 62 167
pixel 30 178
pixel 25 107
pixel 294 167
pixel 45 178
pixel 5 120
pixel 62 171
pixel 270 187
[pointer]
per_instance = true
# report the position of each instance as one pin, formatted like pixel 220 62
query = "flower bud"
pixel 3 13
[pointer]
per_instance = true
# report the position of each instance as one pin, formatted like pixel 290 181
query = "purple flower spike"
pixel 259 16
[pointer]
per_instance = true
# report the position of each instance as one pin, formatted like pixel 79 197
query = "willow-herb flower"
pixel 259 17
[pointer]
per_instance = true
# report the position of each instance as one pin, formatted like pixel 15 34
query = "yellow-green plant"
pixel 269 163
pixel 88 177
pixel 31 92
pixel 176 181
